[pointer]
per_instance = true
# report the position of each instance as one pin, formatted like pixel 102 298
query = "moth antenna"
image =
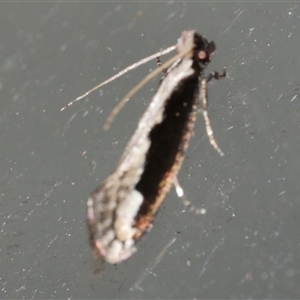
pixel 131 67
pixel 120 105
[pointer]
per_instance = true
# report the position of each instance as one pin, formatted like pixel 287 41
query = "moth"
pixel 121 210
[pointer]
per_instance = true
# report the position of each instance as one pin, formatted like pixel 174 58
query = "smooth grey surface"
pixel 247 243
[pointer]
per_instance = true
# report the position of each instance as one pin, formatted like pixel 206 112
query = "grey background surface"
pixel 247 243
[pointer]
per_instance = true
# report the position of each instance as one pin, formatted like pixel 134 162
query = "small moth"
pixel 121 210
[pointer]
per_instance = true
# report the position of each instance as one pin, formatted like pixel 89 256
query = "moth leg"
pixel 185 201
pixel 158 61
pixel 179 189
pixel 216 75
pixel 203 98
pixel 180 194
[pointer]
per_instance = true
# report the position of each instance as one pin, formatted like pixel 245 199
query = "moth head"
pixel 203 49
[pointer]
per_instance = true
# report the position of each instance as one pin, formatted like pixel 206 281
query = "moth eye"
pixel 201 55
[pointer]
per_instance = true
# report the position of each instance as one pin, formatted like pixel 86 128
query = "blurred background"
pixel 246 245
